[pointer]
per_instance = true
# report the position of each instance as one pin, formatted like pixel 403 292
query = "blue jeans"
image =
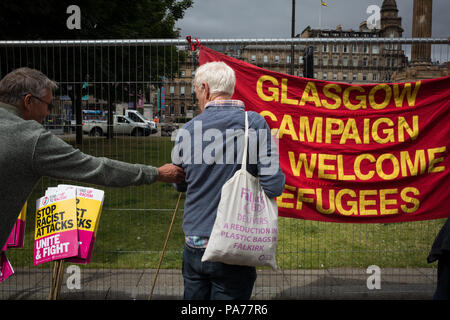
pixel 215 280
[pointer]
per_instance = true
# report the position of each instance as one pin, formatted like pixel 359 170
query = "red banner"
pixel 375 153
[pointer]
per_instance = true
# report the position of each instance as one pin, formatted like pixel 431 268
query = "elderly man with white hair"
pixel 207 148
pixel 28 151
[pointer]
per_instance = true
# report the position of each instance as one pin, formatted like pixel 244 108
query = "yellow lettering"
pixel 296 166
pixel 389 132
pixel 285 195
pixel 363 202
pixel 353 204
pixel 408 199
pixel 329 131
pixel 432 161
pixel 384 202
pixel 350 132
pixel 357 166
pixel 395 164
pixel 406 163
pixel 301 198
pixel 273 90
pixel 388 94
pixel 410 96
pixel 403 125
pixel 361 99
pixel 319 204
pixel 314 97
pixel 322 166
pixel 287 127
pixel 284 90
pixel 331 95
pixel 314 134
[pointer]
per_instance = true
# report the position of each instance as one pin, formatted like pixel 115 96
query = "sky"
pixel 243 19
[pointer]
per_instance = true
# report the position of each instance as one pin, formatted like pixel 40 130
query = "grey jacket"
pixel 28 152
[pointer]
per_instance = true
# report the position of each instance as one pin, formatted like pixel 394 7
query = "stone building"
pixel 350 62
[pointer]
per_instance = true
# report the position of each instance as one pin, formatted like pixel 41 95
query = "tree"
pixel 100 19
pixel 114 71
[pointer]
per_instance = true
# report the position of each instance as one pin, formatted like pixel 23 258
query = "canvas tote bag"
pixel 245 231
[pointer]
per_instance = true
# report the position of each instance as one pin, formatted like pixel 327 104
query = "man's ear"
pixel 27 100
pixel 207 92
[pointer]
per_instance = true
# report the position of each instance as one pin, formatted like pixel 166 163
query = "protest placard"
pixel 17 235
pixel 89 203
pixel 56 234
pixel 6 269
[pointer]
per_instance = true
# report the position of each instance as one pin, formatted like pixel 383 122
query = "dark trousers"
pixel 443 279
pixel 215 280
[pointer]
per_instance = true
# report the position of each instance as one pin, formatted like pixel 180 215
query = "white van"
pixel 138 117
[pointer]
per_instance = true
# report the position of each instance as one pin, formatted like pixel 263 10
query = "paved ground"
pixel 103 284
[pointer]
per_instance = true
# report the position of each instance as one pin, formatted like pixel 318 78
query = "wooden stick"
pixel 53 279
pixel 164 247
pixel 56 279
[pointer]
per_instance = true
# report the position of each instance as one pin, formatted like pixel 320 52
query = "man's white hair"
pixel 218 75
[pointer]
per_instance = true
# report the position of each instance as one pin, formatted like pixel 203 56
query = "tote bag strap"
pixel 244 157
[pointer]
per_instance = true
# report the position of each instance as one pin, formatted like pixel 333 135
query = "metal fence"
pixel 316 259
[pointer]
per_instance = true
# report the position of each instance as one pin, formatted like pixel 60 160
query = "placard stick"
pixel 56 281
pixel 164 247
pixel 55 266
pixel 59 279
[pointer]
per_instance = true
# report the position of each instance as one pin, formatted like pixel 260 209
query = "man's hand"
pixel 171 173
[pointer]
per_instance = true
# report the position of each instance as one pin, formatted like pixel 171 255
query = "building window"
pixel 375 49
pixel 172 90
pixel 253 58
pixel 335 61
pixel 335 48
pixel 325 48
pixel 364 77
pixel 375 78
pixel 355 62
pixel 366 48
pixel 325 76
pixel 355 48
pixel 345 62
pixel 277 59
pixel 364 62
pixel 344 77
pixel 375 62
pixel 344 48
pixel 182 90
pixel 325 61
pixel 334 76
pixel 265 59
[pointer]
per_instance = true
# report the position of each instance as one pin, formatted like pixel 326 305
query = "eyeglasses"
pixel 49 104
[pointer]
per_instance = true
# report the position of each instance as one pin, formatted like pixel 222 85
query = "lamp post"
pixel 292 36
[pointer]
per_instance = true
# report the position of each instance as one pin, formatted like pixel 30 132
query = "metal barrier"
pixel 317 260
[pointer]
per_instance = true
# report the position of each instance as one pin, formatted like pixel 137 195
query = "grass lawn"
pixel 135 221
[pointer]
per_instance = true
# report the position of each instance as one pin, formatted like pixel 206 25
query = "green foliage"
pixel 100 19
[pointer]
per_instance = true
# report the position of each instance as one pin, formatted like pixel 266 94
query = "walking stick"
pixel 164 247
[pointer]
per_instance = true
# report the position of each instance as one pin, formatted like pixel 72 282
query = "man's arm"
pixel 271 177
pixel 55 158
